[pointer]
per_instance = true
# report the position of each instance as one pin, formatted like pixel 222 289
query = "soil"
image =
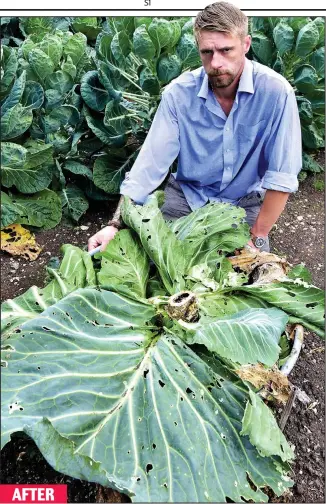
pixel 299 235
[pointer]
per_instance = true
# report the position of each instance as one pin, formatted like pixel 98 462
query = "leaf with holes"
pixel 41 209
pixel 248 337
pixel 303 302
pixel 75 271
pixel 124 266
pixel 128 397
pixel 158 240
pixel 213 228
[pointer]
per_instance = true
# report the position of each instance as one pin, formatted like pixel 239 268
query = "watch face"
pixel 259 242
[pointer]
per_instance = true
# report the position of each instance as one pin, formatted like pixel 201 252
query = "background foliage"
pixel 78 96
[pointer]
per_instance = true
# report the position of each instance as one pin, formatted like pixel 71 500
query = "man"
pixel 234 126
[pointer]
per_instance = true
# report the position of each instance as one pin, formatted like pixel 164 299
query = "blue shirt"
pixel 221 158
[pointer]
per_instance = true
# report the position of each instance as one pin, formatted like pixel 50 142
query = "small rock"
pixel 300 489
pixel 300 217
pixel 15 265
pixel 84 228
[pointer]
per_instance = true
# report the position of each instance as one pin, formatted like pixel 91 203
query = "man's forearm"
pixel 116 220
pixel 272 207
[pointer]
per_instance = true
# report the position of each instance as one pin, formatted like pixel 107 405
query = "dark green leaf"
pixel 317 60
pixel 283 36
pixel 188 27
pixel 73 201
pixel 52 99
pixel 175 33
pixel 298 22
pixel 312 137
pixel 59 80
pixel 262 48
pixel 160 32
pixel 187 51
pixel 9 211
pixel 168 67
pixel 103 46
pixel 307 39
pixel 105 135
pixel 15 122
pixel 15 94
pixel 42 209
pixel 142 44
pixel 109 171
pixel 120 46
pixel 78 169
pixel 92 91
pixel 149 82
pixel 9 65
pixel 305 110
pixel 33 96
pixel 305 78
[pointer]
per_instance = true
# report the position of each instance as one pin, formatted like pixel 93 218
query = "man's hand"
pixel 252 246
pixel 102 237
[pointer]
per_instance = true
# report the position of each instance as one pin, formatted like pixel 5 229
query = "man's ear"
pixel 247 43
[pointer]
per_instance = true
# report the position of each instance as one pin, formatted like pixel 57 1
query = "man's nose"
pixel 216 60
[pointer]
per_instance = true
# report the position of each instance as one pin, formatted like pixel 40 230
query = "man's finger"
pixel 92 243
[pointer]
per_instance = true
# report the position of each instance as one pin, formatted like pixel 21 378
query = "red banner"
pixel 38 494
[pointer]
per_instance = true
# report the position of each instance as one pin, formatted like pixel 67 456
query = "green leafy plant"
pixel 135 58
pixel 111 368
pixel 295 47
pixel 39 116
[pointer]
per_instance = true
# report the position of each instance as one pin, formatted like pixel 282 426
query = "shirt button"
pixel 228 167
pixel 227 150
pixel 227 129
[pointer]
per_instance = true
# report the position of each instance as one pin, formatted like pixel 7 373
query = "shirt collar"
pixel 246 84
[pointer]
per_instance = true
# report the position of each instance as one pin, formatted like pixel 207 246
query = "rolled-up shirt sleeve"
pixel 283 151
pixel 157 154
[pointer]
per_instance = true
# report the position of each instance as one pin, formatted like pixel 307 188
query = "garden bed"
pixel 299 235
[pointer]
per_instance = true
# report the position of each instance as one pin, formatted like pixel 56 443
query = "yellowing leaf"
pixel 17 240
pixel 249 259
pixel 276 382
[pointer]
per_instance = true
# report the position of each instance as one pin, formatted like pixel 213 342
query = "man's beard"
pixel 220 81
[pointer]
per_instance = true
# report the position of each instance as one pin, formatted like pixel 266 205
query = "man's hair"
pixel 222 17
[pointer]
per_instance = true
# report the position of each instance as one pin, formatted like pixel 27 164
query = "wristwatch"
pixel 258 241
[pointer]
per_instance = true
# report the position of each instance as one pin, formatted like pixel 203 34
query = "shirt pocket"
pixel 250 136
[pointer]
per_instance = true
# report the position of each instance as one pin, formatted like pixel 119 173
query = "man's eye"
pixel 226 50
pixel 206 51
